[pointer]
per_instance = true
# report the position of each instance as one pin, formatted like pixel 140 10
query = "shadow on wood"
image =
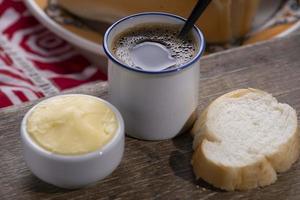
pixel 39 186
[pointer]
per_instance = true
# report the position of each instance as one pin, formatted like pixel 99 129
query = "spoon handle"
pixel 196 13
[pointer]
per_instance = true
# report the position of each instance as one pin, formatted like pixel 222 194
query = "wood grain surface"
pixel 162 170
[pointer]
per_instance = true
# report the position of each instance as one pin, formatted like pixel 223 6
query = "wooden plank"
pixel 162 170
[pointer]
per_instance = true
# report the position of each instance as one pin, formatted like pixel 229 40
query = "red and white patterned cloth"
pixel 33 61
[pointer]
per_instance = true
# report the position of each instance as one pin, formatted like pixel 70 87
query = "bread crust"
pixel 259 173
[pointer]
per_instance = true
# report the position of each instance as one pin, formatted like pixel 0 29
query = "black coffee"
pixel 154 46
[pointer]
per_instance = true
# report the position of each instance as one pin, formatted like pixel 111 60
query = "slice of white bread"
pixel 243 138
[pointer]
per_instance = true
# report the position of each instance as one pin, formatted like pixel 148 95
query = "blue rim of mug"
pixel 176 69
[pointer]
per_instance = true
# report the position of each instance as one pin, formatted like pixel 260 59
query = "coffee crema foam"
pixel 181 49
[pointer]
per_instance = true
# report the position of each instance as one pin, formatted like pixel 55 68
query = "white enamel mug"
pixel 155 105
pixel 73 171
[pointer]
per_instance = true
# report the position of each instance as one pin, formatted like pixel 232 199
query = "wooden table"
pixel 162 170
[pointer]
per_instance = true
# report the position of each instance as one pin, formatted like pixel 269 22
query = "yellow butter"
pixel 72 125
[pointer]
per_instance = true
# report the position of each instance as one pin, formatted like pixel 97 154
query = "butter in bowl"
pixel 74 140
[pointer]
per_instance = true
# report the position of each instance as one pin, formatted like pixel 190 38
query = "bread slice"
pixel 243 138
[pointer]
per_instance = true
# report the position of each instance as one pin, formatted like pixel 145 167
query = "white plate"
pixel 62 32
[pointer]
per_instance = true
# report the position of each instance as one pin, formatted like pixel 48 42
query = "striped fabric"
pixel 33 61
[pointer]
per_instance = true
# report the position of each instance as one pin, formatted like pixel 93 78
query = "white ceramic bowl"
pixel 73 171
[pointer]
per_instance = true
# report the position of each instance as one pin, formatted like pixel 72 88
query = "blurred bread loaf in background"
pixel 223 21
